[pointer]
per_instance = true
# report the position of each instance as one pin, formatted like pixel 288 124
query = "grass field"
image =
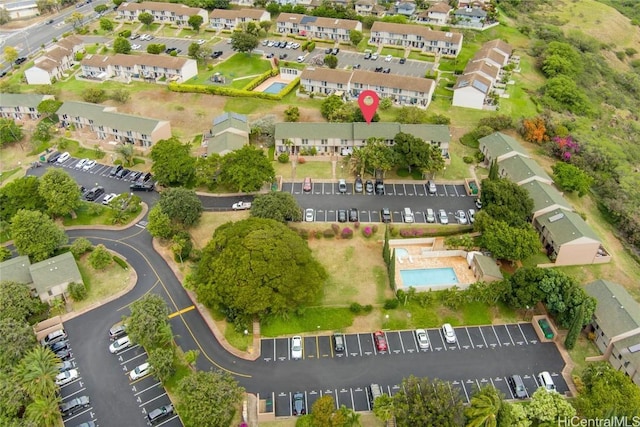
pixel 101 283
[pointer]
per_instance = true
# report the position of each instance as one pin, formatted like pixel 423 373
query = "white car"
pixel 66 377
pixel 423 340
pixel 442 214
pixel 449 333
pixel 90 164
pixel 63 157
pixel 388 58
pixel 461 217
pixel 81 163
pixel 271 43
pixel 109 197
pixel 295 45
pixel 471 213
pixel 309 215
pixel 374 56
pixel 201 41
pixel 135 46
pixel 140 371
pixel 296 347
pixel 119 344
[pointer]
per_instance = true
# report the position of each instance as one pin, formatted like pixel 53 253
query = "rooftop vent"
pixel 556 217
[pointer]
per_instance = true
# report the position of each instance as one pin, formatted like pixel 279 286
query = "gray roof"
pixel 101 116
pixel 225 143
pixel 499 144
pixel 361 131
pixel 565 226
pixel 22 100
pixel 433 133
pixel 544 196
pixel 473 12
pixel 488 266
pixel 59 270
pixel 229 120
pixel 617 311
pixel 314 130
pixel 519 168
pixel 16 270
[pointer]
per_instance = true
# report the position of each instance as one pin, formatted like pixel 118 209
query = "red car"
pixel 380 340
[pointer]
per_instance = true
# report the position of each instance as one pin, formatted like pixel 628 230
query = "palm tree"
pixel 383 408
pixel 44 411
pixel 484 408
pixel 37 373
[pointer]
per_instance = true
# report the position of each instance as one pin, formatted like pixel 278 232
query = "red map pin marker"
pixel 368 102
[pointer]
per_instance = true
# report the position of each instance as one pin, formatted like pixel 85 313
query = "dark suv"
pixel 94 193
pixel 115 170
pixel 141 186
pixel 385 215
pixel 299 407
pixel 74 405
pixel 379 187
pixel 160 413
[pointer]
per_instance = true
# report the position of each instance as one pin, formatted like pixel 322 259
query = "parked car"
pixel 282 56
pixel 407 215
pixel 374 57
pixel 118 330
pixel 546 328
pixel 108 198
pixel 478 204
pixel 517 386
pixel 20 60
pixel 217 54
pixel 269 55
pixel 64 366
pixel 94 193
pixel 64 354
pixel 81 163
pixel 301 58
pixel 367 55
pixel 74 405
pixel 53 157
pixel 449 333
pixel 357 186
pixel 380 341
pixel 59 346
pixel 296 347
pixel 545 380
pixel 241 206
pixel 342 186
pixel 385 215
pixel 63 157
pixel 335 51
pixel 114 170
pixel 54 337
pixel 50 21
pixel 368 187
pixel 379 187
pixel 442 214
pixel 120 344
pixel 146 177
pixel 201 41
pixel 160 413
pixel 471 215
pixel 378 69
pixel 135 46
pixel 403 60
pixel 388 58
pixel 307 185
pixel 338 343
pixel 353 215
pixel 298 405
pixel 309 215
pixel 140 371
pixel 342 215
pixel 421 337
pixel 139 186
pixel 386 70
pixel 135 175
pixel 430 216
pixel 461 216
pixel 66 377
pixel 122 173
pixel 134 36
pixel 89 165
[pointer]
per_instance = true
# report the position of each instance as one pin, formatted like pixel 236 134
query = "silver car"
pixel 309 215
pixel 442 214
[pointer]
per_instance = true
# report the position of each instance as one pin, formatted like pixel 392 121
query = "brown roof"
pixel 420 30
pixel 70 42
pixel 234 14
pixel 179 9
pixel 290 17
pixel 439 8
pixel 475 81
pixel 482 67
pixel 500 45
pixel 165 61
pixel 326 75
pixel 297 18
pixel 45 63
pixel 486 53
pixel 417 84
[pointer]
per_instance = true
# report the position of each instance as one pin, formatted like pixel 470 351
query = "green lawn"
pixel 74 148
pixel 238 70
pixel 317 170
pixel 312 320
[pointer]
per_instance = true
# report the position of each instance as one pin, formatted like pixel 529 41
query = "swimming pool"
pixel 274 88
pixel 401 252
pixel 445 276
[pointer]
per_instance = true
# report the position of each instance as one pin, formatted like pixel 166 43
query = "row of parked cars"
pixel 280 44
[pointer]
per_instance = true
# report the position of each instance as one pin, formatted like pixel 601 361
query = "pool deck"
pixel 418 258
pixel 277 79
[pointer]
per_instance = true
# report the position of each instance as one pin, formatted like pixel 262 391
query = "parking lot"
pixel 473 343
pixel 326 200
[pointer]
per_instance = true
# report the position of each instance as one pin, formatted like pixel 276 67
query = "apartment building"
pixel 417 37
pixel 165 13
pixel 314 27
pixel 54 62
pixel 21 106
pixel 230 19
pixel 151 68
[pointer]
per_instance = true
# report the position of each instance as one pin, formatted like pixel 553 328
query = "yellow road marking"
pixel 184 310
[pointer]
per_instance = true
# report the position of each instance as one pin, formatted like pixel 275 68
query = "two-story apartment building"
pixel 473 87
pixel 165 13
pixel 416 37
pixel 143 67
pixel 21 106
pixel 474 17
pixel 402 90
pixel 616 327
pixel 105 123
pixel 436 14
pixel 369 8
pixel 230 19
pixel 336 138
pixel 315 27
pixel 54 62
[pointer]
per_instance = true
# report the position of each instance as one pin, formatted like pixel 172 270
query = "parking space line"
pixel 317 347
pixel 147 389
pixel 401 343
pixel 464 389
pixel 522 332
pixel 456 190
pixel 509 333
pixel 151 400
pixel 482 335
pixel 360 344
pixel 75 392
pixel 509 387
pixel 496 334
pixel 469 335
pixel 444 344
pixel 134 357
pixel 445 190
pixel 274 350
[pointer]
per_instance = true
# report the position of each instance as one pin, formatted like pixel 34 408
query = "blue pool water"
pixel 401 252
pixel 274 88
pixel 429 277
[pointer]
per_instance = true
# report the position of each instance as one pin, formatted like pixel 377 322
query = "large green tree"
pixel 37 372
pixel 546 407
pixel 561 58
pixel 280 206
pixel 59 191
pixel 121 45
pixel 161 359
pixel 484 408
pixel 16 339
pixel 607 391
pixel 160 224
pixel 571 178
pixel 511 243
pixel 36 235
pixel 49 107
pixel 21 193
pixel 195 22
pixel 181 205
pixel 148 324
pixel 256 267
pixel 207 170
pixel 209 398
pixel 414 152
pixel 173 164
pixel 247 169
pixel 243 42
pixel 43 412
pixel 16 301
pixel 425 402
pixel 13 399
pixel 506 201
pixel 146 18
pixel 355 37
pixel 9 131
pixel 106 25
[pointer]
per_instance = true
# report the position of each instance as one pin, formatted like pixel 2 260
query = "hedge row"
pixel 228 91
pixel 261 78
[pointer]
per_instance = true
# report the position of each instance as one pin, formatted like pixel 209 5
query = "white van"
pixel 431 215
pixel 375 391
pixel 432 187
pixel 407 214
pixel 544 379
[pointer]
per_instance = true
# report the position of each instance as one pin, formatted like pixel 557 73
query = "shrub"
pixel 304 233
pixel 467 159
pixel 122 263
pixel 393 232
pixel 283 158
pixel 391 304
pixel 329 233
pixel 80 246
pixel 356 225
pixel 374 228
pixel 100 258
pixel 78 291
pixel 368 308
pixel 479 156
pixel 367 232
pixel 355 308
pixel 335 228
pixel 317 234
pixel 302 160
pixel 346 233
